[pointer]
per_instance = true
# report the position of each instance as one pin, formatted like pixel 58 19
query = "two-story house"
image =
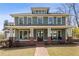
pixel 38 26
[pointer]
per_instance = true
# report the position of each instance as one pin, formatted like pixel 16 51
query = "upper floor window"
pixel 29 20
pixel 21 22
pixel 45 20
pixel 39 20
pixel 51 20
pixel 63 20
pixel 16 20
pixel 25 20
pixel 55 20
pixel 39 12
pixel 34 20
pixel 59 22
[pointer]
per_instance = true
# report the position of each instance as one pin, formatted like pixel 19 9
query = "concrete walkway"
pixel 41 51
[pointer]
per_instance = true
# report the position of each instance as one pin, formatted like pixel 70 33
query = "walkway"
pixel 41 50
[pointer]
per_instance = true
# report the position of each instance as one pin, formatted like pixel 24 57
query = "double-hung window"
pixel 51 20
pixel 21 22
pixel 25 20
pixel 16 20
pixel 45 20
pixel 34 20
pixel 63 20
pixel 39 20
pixel 29 21
pixel 59 20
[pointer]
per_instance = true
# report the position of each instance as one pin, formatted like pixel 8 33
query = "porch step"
pixel 40 44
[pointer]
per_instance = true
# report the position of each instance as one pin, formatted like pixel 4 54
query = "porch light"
pixel 41 32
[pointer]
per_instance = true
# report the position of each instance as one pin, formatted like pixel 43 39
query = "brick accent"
pixel 69 40
pixel 49 40
pixel 23 43
pixel 63 40
pixel 31 40
pixel 10 41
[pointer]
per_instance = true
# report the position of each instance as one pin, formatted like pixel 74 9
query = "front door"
pixel 40 35
pixel 56 35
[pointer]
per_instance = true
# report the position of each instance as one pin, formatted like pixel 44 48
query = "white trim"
pixel 61 21
pixel 66 21
pixel 42 19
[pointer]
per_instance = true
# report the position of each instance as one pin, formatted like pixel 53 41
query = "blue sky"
pixel 10 8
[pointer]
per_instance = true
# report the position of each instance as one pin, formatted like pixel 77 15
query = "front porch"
pixel 31 35
pixel 48 35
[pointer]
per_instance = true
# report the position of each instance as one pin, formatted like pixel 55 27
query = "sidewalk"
pixel 41 51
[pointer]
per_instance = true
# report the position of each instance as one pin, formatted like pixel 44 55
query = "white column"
pixel 66 34
pixel 49 32
pixel 11 33
pixel 31 32
pixel 70 32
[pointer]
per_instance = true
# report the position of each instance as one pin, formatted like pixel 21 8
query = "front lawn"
pixel 18 51
pixel 63 50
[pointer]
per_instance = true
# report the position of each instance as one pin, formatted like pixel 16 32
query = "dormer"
pixel 40 10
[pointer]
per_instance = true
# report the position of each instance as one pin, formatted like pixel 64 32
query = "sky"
pixel 11 8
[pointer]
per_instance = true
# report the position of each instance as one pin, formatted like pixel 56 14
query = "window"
pixel 51 20
pixel 16 20
pixel 34 20
pixel 63 20
pixel 20 21
pixel 45 20
pixel 40 12
pixel 55 20
pixel 59 21
pixel 25 20
pixel 24 34
pixel 36 11
pixel 29 20
pixel 39 20
pixel 21 35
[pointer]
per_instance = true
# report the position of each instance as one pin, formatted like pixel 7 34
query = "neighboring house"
pixel 38 26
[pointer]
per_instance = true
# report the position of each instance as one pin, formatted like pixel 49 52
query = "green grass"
pixel 63 50
pixel 18 51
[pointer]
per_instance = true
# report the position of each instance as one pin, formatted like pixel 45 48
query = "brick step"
pixel 40 44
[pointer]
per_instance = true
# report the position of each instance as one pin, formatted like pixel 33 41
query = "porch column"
pixel 49 35
pixel 31 35
pixel 70 35
pixel 66 34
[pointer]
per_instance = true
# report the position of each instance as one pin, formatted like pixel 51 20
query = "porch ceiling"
pixel 36 27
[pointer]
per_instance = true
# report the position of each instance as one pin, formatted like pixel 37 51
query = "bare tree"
pixel 71 9
pixel 65 9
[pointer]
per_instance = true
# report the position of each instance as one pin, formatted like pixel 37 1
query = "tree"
pixel 5 22
pixel 76 32
pixel 71 9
